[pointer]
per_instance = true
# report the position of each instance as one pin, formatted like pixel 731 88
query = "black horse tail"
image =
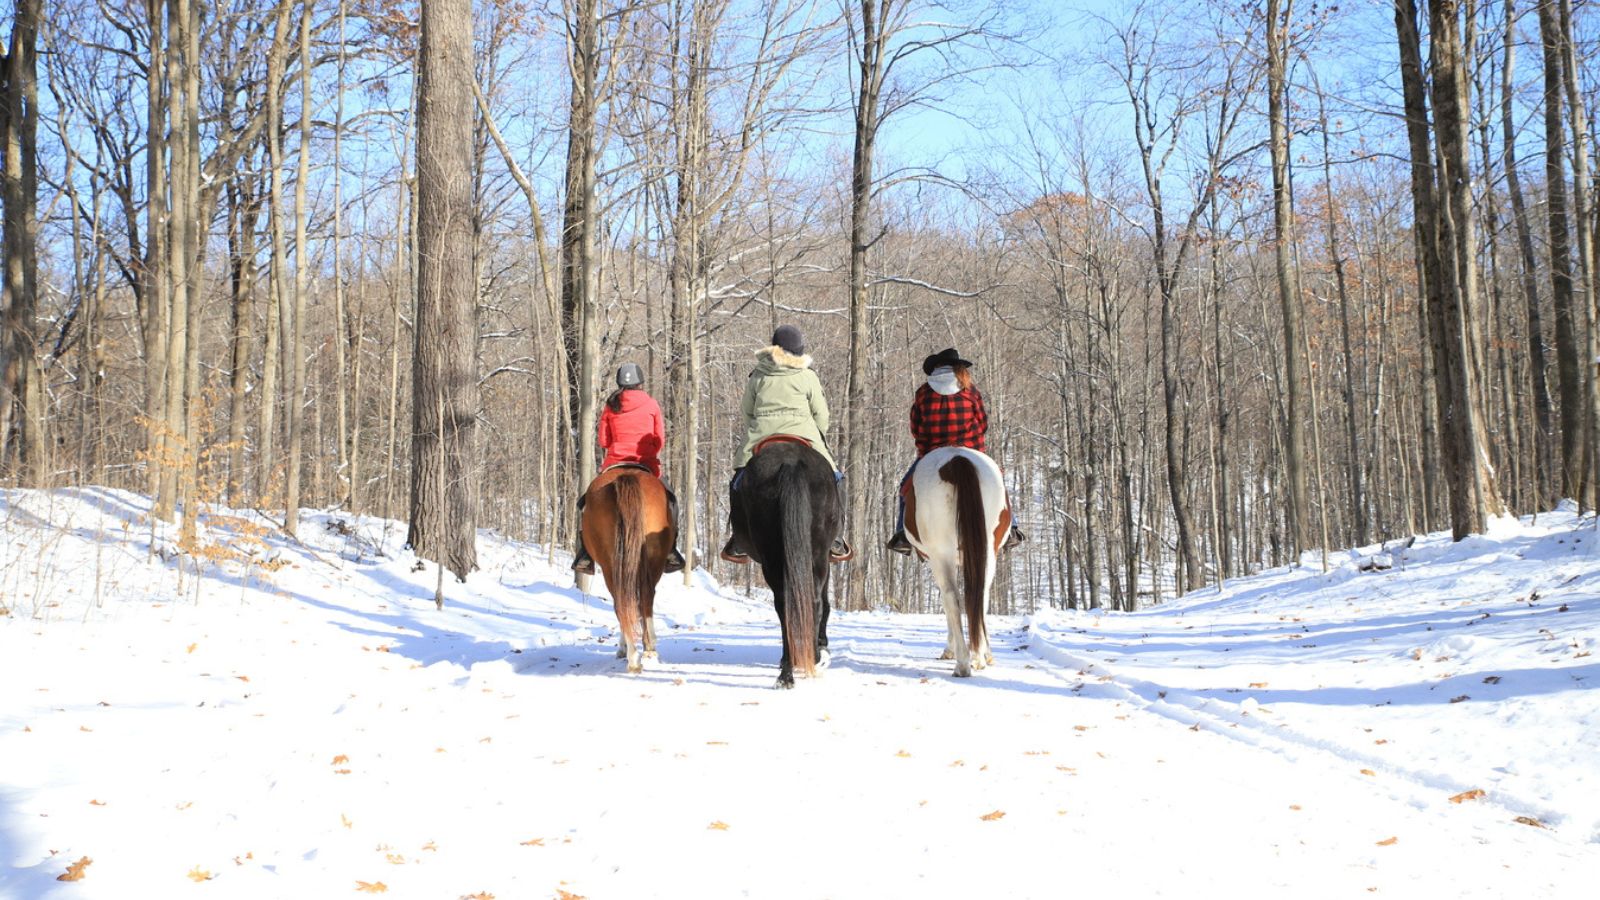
pixel 799 587
pixel 630 585
pixel 973 532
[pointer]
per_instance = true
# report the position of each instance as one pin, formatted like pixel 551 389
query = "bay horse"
pixel 786 514
pixel 957 516
pixel 628 531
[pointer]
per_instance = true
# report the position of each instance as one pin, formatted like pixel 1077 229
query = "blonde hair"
pixel 963 376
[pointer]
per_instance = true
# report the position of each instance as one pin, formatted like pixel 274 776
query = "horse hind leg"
pixel 956 647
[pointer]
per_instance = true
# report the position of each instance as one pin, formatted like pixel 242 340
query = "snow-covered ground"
pixel 321 730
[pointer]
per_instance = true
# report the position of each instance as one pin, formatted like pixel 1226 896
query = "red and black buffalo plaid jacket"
pixel 948 420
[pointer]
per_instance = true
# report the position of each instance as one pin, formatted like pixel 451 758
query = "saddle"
pixel 779 439
pixel 624 465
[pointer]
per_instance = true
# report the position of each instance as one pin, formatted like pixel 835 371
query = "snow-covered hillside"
pixel 298 720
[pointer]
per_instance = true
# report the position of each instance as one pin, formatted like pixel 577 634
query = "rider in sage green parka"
pixel 783 396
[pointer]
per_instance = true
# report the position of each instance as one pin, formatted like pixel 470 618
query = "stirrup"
pixel 1013 538
pixel 732 553
pixel 841 551
pixel 899 543
pixel 674 563
pixel 583 564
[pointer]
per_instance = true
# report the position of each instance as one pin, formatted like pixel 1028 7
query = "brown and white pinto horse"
pixel 628 531
pixel 957 516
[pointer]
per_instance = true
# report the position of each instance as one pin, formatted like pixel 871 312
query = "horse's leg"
pixel 950 592
pixel 647 614
pixel 785 663
pixel 822 623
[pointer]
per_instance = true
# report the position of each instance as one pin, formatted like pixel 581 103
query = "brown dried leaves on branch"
pixel 75 871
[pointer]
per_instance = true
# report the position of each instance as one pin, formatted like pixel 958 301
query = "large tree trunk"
pixel 870 63
pixel 21 391
pixel 1581 212
pixel 1569 317
pixel 578 275
pixel 1473 495
pixel 1279 13
pixel 267 434
pixel 445 371
pixel 1543 426
pixel 302 274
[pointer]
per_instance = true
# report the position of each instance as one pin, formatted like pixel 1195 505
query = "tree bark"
pixel 21 390
pixel 295 339
pixel 445 376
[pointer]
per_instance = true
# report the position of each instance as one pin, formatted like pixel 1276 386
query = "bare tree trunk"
pixel 271 363
pixel 1473 497
pixel 1543 426
pixel 1569 318
pixel 21 391
pixel 870 64
pixel 1279 13
pixel 341 330
pixel 578 270
pixel 445 376
pixel 242 216
pixel 1581 212
pixel 296 339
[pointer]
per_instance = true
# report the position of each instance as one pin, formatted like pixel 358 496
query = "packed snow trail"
pixel 335 735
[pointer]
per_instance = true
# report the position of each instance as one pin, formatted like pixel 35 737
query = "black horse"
pixel 786 514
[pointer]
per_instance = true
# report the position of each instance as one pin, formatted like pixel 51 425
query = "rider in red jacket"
pixel 631 432
pixel 948 412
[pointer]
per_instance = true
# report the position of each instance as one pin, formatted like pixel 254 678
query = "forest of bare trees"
pixel 1242 282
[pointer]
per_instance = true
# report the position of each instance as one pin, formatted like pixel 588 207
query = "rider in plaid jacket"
pixel 948 412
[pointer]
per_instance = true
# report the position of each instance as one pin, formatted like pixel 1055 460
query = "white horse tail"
pixel 972 531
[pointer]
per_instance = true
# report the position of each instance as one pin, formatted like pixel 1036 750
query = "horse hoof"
pixel 823 658
pixel 621 653
pixel 947 655
pixel 963 672
pixel 988 659
pixel 782 685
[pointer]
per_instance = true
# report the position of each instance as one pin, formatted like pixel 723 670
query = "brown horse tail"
pixel 628 586
pixel 800 589
pixel 973 533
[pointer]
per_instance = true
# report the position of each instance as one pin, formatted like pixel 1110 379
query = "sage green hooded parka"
pixel 783 396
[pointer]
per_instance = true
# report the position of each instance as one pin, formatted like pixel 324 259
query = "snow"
pixel 300 721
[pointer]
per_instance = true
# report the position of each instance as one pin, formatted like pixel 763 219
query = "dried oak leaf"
pixel 198 874
pixel 1388 841
pixel 374 887
pixel 533 842
pixel 1467 795
pixel 717 826
pixel 75 871
pixel 341 758
pixel 568 895
pixel 1368 772
pixel 990 817
pixel 1530 820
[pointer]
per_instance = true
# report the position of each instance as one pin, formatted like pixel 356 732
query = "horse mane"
pixel 973 532
pixel 632 581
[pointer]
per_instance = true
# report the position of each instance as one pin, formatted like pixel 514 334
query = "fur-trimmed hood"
pixel 779 359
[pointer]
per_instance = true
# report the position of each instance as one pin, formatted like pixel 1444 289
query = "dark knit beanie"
pixel 790 339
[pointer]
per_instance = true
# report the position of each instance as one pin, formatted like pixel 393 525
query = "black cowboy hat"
pixel 946 357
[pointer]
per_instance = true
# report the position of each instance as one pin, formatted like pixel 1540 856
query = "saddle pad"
pixel 779 439
pixel 624 465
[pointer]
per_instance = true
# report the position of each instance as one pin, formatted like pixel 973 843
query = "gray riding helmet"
pixel 629 375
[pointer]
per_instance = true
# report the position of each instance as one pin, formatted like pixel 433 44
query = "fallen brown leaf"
pixel 75 871
pixel 1467 795
pixel 990 817
pixel 341 758
pixel 198 874
pixel 1258 684
pixel 533 842
pixel 191 648
pixel 375 887
pixel 717 826
pixel 1368 772
pixel 1388 841
pixel 1530 820
pixel 568 895
pixel 903 754
pixel 97 803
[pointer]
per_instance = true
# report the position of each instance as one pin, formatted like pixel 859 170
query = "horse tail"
pixel 799 587
pixel 973 535
pixel 629 585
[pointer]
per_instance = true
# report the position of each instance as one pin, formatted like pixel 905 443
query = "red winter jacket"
pixel 948 420
pixel 635 434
